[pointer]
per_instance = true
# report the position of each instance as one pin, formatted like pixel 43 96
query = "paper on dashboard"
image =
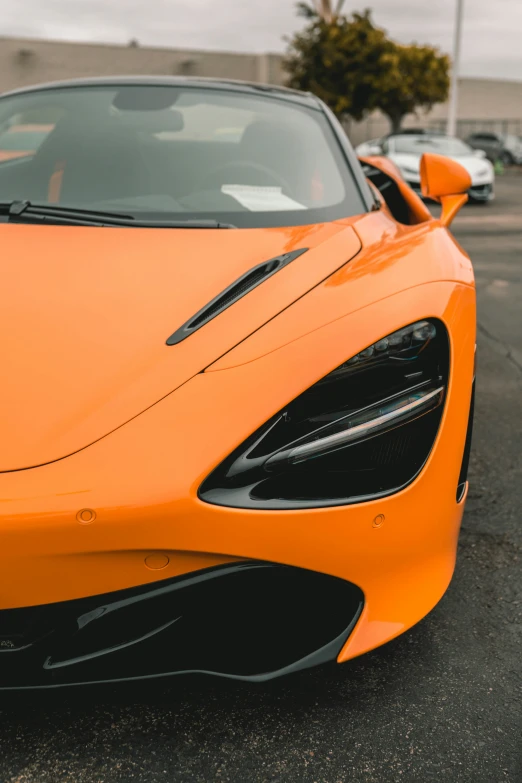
pixel 257 198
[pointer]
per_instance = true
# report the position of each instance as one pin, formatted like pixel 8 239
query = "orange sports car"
pixel 237 386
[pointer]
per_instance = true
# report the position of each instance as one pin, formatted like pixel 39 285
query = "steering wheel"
pixel 257 167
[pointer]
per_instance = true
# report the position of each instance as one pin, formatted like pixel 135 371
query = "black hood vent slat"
pixel 237 290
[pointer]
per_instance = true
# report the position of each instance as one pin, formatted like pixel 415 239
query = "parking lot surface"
pixel 442 702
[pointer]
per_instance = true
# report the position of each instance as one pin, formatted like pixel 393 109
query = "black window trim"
pixel 350 157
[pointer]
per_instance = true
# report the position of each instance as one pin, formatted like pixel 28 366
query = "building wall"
pixel 487 104
pixel 484 103
pixel 24 62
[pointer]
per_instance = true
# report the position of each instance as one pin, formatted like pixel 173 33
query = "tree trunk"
pixel 395 122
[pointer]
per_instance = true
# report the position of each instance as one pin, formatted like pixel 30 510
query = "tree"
pixel 421 80
pixel 344 62
pixel 355 68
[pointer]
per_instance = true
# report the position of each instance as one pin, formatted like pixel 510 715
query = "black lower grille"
pixel 249 620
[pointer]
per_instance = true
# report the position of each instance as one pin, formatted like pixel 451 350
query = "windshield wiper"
pixel 26 212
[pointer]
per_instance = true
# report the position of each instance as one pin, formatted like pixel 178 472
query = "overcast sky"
pixel 491 44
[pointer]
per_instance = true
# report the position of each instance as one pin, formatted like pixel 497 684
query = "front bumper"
pixel 481 192
pixel 248 621
pixel 124 512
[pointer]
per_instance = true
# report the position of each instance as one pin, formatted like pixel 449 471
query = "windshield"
pixel 160 152
pixel 416 145
pixel 22 137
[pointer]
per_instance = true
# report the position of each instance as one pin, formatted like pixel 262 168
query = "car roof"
pixel 295 96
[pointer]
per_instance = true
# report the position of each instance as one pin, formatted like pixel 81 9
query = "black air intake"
pixel 237 290
pixel 249 620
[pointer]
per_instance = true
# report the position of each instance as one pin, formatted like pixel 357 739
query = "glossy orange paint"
pixel 124 429
pixel 107 299
pixel 395 258
pixel 442 176
pixel 419 212
pixel 446 181
pixel 85 317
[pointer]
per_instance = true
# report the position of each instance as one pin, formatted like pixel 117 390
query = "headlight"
pixel 363 431
pixel 483 173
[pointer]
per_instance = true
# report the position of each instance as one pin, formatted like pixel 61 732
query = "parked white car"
pixel 370 147
pixel 406 150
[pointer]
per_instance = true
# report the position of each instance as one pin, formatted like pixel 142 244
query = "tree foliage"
pixel 355 68
pixel 421 80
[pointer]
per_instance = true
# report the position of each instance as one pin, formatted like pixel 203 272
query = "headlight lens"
pixel 363 431
pixel 359 427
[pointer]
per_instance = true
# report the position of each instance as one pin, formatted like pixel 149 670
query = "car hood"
pixel 476 167
pixel 85 314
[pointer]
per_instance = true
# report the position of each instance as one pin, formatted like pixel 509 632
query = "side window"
pixel 390 192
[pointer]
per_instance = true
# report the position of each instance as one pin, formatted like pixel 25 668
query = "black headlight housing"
pixel 362 432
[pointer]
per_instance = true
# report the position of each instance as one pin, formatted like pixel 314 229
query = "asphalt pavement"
pixel 442 702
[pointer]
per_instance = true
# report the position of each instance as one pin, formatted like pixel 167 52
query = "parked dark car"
pixel 416 132
pixel 497 146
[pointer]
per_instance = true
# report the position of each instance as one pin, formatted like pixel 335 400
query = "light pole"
pixel 454 85
pixel 325 9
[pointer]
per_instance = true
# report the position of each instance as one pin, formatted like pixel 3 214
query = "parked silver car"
pixel 497 146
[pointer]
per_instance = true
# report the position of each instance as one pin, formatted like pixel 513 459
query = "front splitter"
pixel 249 621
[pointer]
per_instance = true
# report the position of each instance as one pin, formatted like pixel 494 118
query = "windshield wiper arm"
pixel 25 211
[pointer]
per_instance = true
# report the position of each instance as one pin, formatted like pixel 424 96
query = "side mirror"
pixel 445 181
pixel 479 154
pixel 374 149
